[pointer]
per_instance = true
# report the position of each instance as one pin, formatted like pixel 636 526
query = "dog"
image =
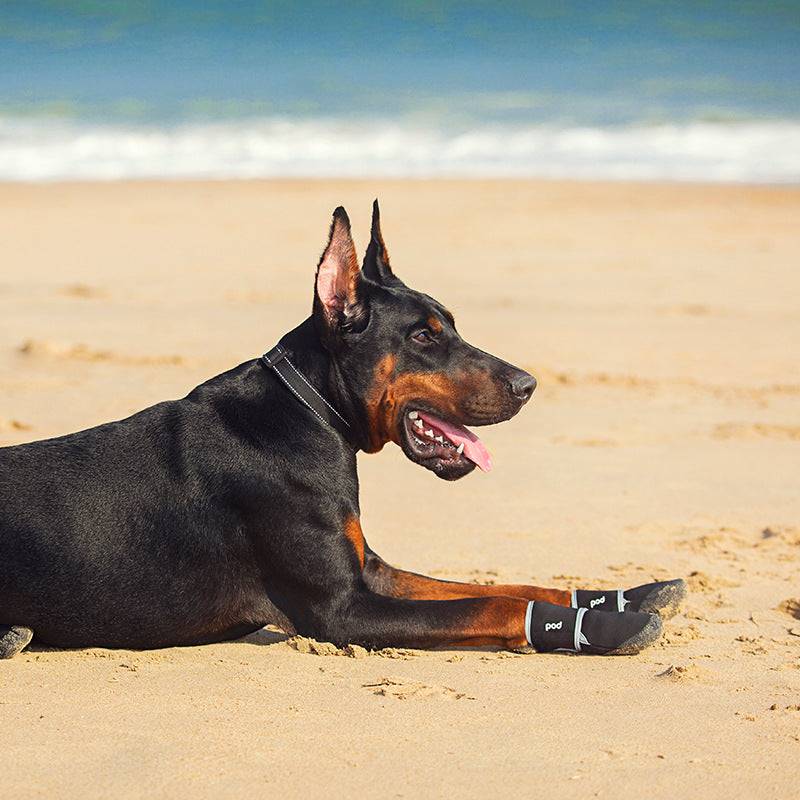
pixel 206 518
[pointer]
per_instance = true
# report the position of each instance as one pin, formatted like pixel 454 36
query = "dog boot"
pixel 13 639
pixel 663 598
pixel 578 630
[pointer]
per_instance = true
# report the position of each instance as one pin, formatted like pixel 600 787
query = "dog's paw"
pixel 663 598
pixel 13 640
pixel 551 628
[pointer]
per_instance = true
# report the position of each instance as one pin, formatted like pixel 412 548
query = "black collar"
pixel 277 361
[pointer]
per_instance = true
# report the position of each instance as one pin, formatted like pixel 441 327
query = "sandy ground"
pixel 664 440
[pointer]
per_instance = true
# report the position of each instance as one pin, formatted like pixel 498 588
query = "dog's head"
pixel 401 367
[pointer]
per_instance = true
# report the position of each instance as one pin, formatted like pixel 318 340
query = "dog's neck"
pixel 304 348
pixel 306 351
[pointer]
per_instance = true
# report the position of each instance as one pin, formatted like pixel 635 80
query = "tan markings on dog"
pixel 419 587
pixel 500 622
pixel 391 392
pixel 434 325
pixel 376 401
pixel 388 580
pixel 383 249
pixel 352 530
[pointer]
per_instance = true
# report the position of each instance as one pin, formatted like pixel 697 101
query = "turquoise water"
pixel 694 91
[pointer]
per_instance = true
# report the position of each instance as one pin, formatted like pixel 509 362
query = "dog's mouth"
pixel 448 449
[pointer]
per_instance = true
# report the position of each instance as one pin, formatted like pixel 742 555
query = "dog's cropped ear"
pixel 337 296
pixel 376 261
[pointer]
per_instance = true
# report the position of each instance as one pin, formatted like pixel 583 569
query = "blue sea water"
pixel 701 90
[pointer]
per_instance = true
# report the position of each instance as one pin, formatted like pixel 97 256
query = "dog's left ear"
pixel 338 301
pixel 376 261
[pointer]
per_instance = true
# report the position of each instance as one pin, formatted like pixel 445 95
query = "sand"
pixel 663 440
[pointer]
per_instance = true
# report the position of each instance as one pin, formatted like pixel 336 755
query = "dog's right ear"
pixel 338 292
pixel 376 261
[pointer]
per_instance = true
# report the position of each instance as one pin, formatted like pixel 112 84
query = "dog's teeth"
pixel 413 414
pixel 460 448
pixel 418 423
pixel 429 433
pixel 440 439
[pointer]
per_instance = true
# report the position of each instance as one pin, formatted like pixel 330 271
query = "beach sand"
pixel 664 440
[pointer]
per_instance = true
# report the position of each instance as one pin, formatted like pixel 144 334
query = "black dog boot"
pixel 577 630
pixel 663 598
pixel 13 640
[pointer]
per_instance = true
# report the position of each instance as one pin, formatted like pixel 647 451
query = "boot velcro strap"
pixel 550 627
pixel 612 600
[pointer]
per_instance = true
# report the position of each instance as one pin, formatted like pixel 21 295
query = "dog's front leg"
pixel 663 598
pixel 376 621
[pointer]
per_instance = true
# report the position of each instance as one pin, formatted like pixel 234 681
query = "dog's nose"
pixel 522 386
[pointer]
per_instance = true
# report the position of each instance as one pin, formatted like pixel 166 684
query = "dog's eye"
pixel 423 336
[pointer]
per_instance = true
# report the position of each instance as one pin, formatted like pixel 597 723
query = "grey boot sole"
pixel 645 637
pixel 666 600
pixel 14 640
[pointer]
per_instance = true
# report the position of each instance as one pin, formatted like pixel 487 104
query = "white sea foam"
pixel 39 149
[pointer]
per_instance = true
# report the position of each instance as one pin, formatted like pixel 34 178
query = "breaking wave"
pixel 46 149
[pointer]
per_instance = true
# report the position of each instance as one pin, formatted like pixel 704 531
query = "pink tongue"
pixel 473 446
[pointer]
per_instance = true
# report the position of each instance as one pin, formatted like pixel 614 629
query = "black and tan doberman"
pixel 206 518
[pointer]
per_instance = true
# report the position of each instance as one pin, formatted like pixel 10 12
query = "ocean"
pixel 701 91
